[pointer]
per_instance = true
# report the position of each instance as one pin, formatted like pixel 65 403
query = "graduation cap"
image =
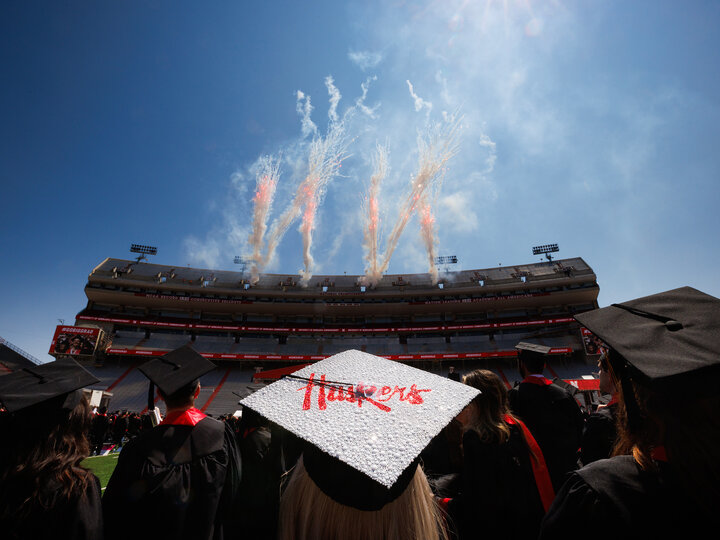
pixel 45 384
pixel 174 371
pixel 364 421
pixel 669 342
pixel 532 354
pixel 533 347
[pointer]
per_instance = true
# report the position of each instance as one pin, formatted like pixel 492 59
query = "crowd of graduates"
pixel 110 430
pixel 518 463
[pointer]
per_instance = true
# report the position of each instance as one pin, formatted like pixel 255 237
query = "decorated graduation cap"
pixel 45 384
pixel 532 347
pixel 364 421
pixel 668 342
pixel 175 370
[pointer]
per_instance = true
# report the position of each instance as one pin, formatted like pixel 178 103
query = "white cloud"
pixel 365 59
pixel 203 253
pixel 459 205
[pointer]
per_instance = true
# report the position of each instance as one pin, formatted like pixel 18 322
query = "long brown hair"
pixel 490 407
pixel 687 427
pixel 41 456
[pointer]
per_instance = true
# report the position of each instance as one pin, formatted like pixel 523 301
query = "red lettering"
pixel 308 393
pixel 385 389
pixel 414 396
pixel 357 394
pixel 321 394
pixel 331 393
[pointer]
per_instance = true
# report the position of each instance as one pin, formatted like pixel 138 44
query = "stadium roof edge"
pixel 585 268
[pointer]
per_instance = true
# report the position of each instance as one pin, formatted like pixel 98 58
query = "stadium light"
pixel 446 259
pixel 142 250
pixel 243 262
pixel 546 250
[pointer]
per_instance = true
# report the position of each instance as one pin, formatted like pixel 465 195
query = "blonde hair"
pixel 306 513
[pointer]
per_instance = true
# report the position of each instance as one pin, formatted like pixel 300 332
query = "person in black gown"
pixel 180 479
pixel 44 491
pixel 664 479
pixel 549 411
pixel 504 484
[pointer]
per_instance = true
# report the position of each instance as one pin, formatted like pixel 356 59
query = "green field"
pixel 102 466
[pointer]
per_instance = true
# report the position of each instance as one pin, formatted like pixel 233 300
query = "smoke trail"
pixel 434 151
pixel 266 182
pixel 324 161
pixel 427 233
pixel 304 108
pixel 360 102
pixel 334 98
pixel 420 103
pixel 372 217
pixel 326 156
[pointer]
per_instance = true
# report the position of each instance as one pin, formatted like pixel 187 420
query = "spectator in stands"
pixel 180 479
pixel 44 491
pixel 549 411
pixel 452 374
pixel 664 481
pixel 600 430
pixel 505 486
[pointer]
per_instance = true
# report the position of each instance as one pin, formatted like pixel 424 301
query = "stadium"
pixel 256 332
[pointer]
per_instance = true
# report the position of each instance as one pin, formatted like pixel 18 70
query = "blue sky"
pixel 590 124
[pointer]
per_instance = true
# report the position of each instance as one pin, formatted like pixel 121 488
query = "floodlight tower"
pixel 546 249
pixel 143 250
pixel 446 259
pixel 243 262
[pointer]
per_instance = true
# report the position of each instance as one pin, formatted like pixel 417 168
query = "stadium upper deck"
pixel 148 309
pixel 158 289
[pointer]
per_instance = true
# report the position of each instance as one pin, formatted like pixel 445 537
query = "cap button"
pixel 673 325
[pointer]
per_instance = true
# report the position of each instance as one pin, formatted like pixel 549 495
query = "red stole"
pixel 536 379
pixel 659 454
pixel 613 401
pixel 537 461
pixel 189 417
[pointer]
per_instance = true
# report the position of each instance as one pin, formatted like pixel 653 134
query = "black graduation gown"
pixel 499 497
pixel 175 481
pixel 615 498
pixel 257 508
pixel 555 420
pixel 599 435
pixel 79 518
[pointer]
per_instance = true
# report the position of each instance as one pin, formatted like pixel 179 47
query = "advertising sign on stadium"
pixel 592 343
pixel 74 340
pixel 310 358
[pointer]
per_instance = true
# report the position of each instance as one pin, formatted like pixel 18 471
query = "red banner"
pixel 74 340
pixel 300 357
pixel 322 330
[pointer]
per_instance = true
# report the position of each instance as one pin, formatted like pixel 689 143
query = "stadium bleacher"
pixel 476 318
